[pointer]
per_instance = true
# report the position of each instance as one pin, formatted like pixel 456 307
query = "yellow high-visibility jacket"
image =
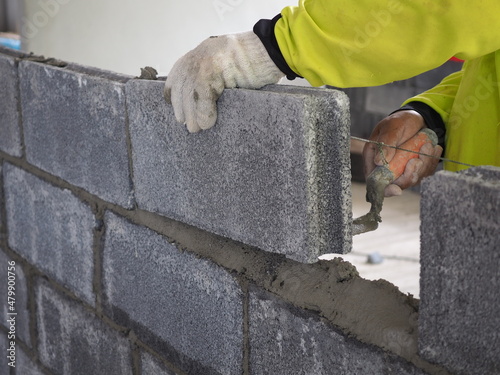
pixel 355 43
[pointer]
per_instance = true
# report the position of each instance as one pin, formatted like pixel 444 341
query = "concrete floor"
pixel 397 240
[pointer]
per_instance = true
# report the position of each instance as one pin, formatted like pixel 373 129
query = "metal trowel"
pixel 382 176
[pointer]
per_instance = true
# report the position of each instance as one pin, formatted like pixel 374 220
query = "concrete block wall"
pixel 460 279
pixel 10 141
pixel 141 249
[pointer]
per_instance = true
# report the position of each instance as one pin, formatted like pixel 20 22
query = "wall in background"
pixel 125 35
pixel 10 16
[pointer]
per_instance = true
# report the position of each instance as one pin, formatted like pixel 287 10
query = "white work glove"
pixel 198 78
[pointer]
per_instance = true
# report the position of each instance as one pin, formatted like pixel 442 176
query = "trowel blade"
pixel 376 183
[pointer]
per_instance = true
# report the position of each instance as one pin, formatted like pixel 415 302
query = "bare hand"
pixel 394 130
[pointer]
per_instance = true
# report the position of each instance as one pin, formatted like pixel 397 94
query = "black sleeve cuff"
pixel 432 119
pixel 264 29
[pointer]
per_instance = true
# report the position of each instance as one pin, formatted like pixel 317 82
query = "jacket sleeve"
pixel 354 43
pixel 441 97
pixel 434 105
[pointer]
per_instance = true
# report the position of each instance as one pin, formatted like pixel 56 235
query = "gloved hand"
pixel 394 130
pixel 198 78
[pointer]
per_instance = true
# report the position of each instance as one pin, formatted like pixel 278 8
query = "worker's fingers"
pixel 411 174
pixel 178 106
pixel 190 116
pixel 416 169
pixel 393 130
pixel 205 103
pixel 429 163
pixel 392 190
pixel 206 113
pixel 174 90
pixel 202 114
pixel 189 99
pixel 388 135
pixel 198 78
pixel 194 106
pixel 375 154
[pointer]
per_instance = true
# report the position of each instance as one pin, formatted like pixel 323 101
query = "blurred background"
pixel 124 35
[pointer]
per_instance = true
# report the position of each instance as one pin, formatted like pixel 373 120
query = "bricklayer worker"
pixel 347 43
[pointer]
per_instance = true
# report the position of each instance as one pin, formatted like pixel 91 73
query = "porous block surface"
pixel 152 366
pixel 287 340
pixel 188 308
pixel 74 341
pixel 460 279
pixel 10 132
pixel 273 172
pixel 75 128
pixel 51 228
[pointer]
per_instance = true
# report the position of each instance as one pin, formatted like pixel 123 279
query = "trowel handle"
pixel 398 163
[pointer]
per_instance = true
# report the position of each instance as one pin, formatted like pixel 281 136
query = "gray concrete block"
pixel 4 346
pixel 25 365
pixel 287 340
pixel 188 309
pixel 3 222
pixel 274 172
pixel 460 283
pixel 20 306
pixel 78 132
pixel 10 139
pixel 152 366
pixel 71 340
pixel 51 228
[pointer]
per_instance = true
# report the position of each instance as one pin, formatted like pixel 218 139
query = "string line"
pixel 382 144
